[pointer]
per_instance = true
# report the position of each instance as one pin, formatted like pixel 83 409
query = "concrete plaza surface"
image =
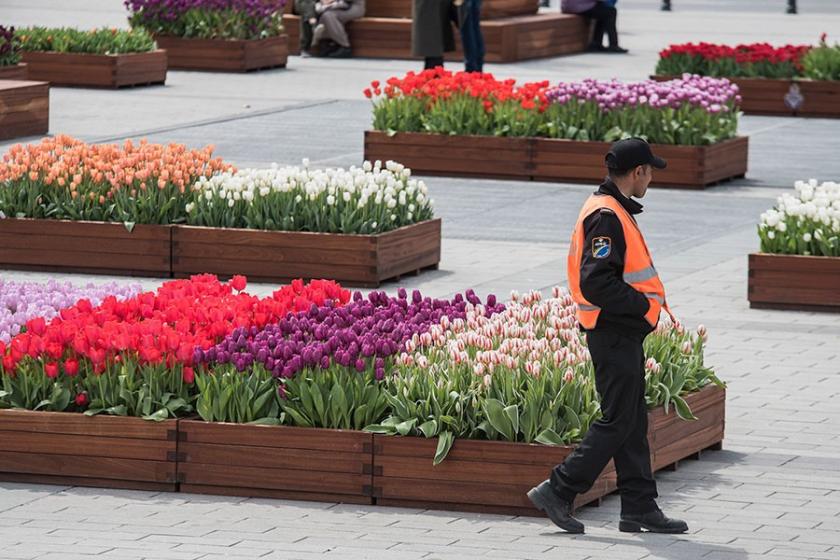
pixel 773 492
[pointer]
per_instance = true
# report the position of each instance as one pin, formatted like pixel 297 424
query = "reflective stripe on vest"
pixel 639 271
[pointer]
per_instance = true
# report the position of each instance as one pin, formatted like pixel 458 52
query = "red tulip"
pixel 189 375
pixel 81 399
pixel 71 367
pixel 51 369
pixel 239 282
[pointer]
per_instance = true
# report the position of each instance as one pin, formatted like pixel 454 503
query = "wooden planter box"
pixel 673 439
pixel 73 449
pixel 493 476
pixel 794 282
pixel 477 476
pixel 85 247
pixel 786 98
pixel 547 159
pixel 277 256
pixel 24 108
pixel 275 462
pixel 15 72
pixel 506 40
pixel 97 70
pixel 225 55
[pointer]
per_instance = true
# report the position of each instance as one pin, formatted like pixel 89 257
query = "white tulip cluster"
pixel 804 223
pixel 369 199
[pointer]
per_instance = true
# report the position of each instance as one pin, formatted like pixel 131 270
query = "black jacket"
pixel 602 266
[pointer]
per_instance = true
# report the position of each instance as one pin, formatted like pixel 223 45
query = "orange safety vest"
pixel 639 271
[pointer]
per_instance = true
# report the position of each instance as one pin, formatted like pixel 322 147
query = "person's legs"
pixel 632 461
pixel 599 15
pixel 610 26
pixel 471 39
pixel 617 375
pixel 306 10
pixel 432 62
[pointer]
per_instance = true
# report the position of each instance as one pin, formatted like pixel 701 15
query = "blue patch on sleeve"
pixel 601 247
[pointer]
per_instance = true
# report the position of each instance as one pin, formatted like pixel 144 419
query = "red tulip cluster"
pixel 162 327
pixel 754 52
pixel 749 60
pixel 434 84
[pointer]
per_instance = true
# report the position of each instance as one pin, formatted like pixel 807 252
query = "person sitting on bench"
pixel 604 13
pixel 332 16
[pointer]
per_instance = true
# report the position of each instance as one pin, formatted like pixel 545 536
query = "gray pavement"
pixel 773 492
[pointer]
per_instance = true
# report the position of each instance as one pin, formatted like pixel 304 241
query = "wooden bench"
pixel 490 9
pixel 506 40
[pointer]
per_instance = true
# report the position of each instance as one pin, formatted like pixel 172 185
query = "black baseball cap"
pixel 628 154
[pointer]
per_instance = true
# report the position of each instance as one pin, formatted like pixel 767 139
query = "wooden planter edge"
pixel 796 282
pixel 532 158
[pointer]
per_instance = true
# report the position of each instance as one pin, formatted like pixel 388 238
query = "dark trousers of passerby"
pixel 621 432
pixel 471 39
pixel 432 62
pixel 605 18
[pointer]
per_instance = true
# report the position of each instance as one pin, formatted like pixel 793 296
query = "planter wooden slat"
pixel 24 108
pixel 495 476
pixel 225 55
pixel 766 96
pixel 794 282
pixel 88 247
pixel 277 256
pixel 547 159
pixel 70 448
pixel 490 476
pixel 275 461
pixel 97 70
pixel 506 39
pixel 672 439
pixel 14 72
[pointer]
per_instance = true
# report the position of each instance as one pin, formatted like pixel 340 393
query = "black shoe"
pixel 594 47
pixel 557 509
pixel 341 52
pixel 615 50
pixel 654 521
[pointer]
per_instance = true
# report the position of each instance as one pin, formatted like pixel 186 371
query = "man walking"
pixel 619 296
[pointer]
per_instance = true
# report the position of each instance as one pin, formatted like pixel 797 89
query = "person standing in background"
pixel 469 18
pixel 431 31
pixel 604 13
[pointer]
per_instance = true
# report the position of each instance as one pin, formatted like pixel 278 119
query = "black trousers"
pixel 621 432
pixel 605 17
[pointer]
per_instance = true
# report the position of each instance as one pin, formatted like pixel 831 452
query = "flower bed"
pixel 25 108
pixel 209 35
pixel 445 123
pixel 345 374
pixel 97 58
pixel 789 80
pixel 362 225
pixel 799 262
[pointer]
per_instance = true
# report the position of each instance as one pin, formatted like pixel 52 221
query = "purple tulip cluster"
pixel 8 46
pixel 359 335
pixel 171 10
pixel 20 302
pixel 715 95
